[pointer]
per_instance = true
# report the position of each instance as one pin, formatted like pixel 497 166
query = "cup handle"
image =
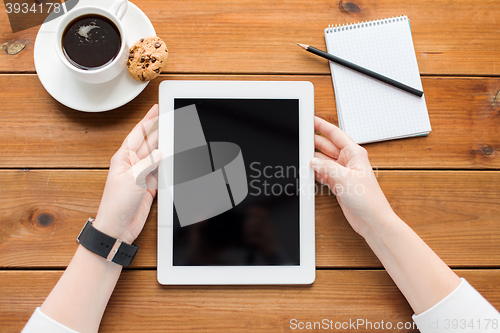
pixel 119 8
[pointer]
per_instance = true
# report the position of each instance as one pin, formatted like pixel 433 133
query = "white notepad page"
pixel 368 109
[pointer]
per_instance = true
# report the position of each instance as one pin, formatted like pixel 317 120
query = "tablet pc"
pixel 236 190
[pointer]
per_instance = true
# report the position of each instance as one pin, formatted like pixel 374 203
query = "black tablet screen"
pixel 263 228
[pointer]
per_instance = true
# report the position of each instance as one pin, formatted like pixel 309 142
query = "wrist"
pixel 106 246
pixel 109 227
pixel 87 256
pixel 379 224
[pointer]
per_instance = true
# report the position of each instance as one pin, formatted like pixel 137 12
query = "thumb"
pixel 328 168
pixel 145 166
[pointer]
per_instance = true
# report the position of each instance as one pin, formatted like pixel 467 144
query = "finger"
pixel 328 168
pixel 339 138
pixel 155 174
pixel 145 166
pixel 150 143
pixel 319 154
pixel 152 184
pixel 326 146
pixel 320 178
pixel 136 137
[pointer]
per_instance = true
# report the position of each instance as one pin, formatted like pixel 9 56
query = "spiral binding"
pixel 364 24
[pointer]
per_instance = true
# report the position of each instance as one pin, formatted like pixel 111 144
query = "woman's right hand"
pixel 343 165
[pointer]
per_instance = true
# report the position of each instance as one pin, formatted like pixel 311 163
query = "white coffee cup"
pixel 102 74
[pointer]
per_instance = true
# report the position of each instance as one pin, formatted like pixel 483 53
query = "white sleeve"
pixel 41 323
pixel 464 310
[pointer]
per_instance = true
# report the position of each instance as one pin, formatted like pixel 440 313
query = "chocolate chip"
pixel 157 44
pixel 131 55
pixel 142 40
pixel 147 65
pixel 142 59
pixel 143 67
pixel 157 71
pixel 143 51
pixel 154 60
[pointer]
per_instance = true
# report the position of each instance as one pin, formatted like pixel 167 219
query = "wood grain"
pixel 140 304
pixel 235 36
pixel 38 132
pixel 455 212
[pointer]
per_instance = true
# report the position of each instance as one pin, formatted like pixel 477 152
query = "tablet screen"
pixel 263 229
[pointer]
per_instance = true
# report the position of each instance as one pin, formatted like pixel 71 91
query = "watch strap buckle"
pixel 114 250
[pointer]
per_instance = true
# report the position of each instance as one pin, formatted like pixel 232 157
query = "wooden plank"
pixel 140 304
pixel 39 132
pixel 456 212
pixel 234 36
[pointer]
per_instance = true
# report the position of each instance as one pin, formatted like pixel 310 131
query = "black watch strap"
pixel 106 246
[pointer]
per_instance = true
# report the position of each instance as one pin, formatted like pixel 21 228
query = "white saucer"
pixel 76 94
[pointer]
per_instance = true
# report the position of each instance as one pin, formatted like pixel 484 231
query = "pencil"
pixel 362 70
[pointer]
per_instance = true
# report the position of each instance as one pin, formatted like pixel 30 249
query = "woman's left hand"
pixel 131 184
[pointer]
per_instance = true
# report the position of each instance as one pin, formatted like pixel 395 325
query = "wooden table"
pixel 54 160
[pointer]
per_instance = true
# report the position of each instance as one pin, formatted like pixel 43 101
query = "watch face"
pixel 261 226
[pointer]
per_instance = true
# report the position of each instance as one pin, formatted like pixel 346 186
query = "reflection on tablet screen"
pixel 263 229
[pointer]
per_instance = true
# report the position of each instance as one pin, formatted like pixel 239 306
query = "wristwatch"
pixel 112 249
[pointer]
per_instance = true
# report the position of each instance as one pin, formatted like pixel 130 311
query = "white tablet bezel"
pixel 218 275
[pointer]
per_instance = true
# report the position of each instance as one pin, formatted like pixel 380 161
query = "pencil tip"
pixel 303 46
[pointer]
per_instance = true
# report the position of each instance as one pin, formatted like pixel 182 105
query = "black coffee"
pixel 91 41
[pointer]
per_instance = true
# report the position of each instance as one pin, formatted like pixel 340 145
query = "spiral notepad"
pixel 370 110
